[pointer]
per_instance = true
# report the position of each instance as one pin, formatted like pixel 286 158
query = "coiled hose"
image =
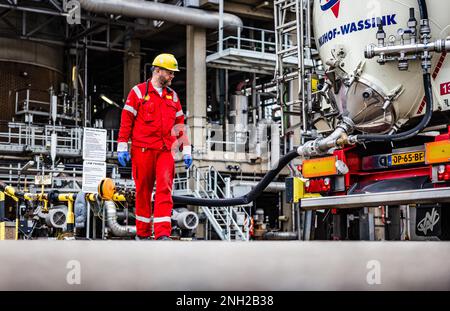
pixel 245 199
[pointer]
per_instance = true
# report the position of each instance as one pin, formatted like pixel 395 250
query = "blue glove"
pixel 187 160
pixel 124 157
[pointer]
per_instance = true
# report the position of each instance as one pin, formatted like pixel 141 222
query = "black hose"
pixel 423 9
pixel 245 199
pixel 414 131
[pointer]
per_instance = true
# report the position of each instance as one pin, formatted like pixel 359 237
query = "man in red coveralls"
pixel 153 118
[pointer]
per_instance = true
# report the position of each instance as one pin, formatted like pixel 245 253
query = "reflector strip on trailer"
pixel 437 152
pixel 319 167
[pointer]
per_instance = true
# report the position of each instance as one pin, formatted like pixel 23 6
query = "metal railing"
pixel 236 141
pixel 251 39
pixel 37 139
pixel 30 102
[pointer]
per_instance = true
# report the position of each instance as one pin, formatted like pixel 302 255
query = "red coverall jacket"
pixel 152 121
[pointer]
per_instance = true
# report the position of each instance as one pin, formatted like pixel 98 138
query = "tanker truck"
pixel 380 167
pixel 383 171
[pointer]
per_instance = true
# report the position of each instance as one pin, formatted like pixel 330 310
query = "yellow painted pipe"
pixel 2 230
pixel 2 216
pixel 69 198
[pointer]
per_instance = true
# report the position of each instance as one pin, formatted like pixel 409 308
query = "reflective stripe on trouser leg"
pixel 143 164
pixel 163 195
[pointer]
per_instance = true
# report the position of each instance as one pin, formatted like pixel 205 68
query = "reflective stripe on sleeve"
pixel 130 109
pixel 137 91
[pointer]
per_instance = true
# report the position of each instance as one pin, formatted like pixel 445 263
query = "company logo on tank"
pixel 334 5
pixel 361 25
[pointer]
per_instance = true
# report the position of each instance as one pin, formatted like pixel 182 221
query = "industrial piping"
pixel 161 11
pixel 428 95
pixel 116 228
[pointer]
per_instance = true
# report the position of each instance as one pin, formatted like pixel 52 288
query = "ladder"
pixel 293 39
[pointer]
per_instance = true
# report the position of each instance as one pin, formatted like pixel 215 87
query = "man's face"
pixel 165 77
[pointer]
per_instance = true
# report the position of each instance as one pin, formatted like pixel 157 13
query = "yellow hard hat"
pixel 166 61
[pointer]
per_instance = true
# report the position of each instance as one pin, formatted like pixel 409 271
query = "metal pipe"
pixel 161 11
pixel 272 187
pixel 221 25
pixel 116 228
pixel 301 61
pixel 437 46
pixel 322 145
pixel 280 236
pixel 185 219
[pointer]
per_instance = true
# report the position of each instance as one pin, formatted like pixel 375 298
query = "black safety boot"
pixel 164 238
pixel 142 238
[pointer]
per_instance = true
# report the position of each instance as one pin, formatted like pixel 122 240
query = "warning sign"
pixel 94 144
pixel 93 173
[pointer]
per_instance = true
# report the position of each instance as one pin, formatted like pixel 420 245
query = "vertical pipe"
pixel 308 23
pixel 75 86
pixel 254 104
pixel 221 25
pixel 103 221
pixel 2 216
pixel 371 224
pixel 299 231
pixel 308 222
pixel 308 93
pixel 301 60
pixel 275 144
pixel 24 23
pixel 70 216
pixel 88 217
pixel 228 187
pixel 408 223
pixel 86 108
pixel 239 38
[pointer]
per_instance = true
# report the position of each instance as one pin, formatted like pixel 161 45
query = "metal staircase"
pixel 293 39
pixel 229 223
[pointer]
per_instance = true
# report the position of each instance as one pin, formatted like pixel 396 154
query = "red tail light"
pixel 318 185
pixel 444 172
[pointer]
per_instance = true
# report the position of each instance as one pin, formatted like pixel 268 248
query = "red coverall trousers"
pixel 150 165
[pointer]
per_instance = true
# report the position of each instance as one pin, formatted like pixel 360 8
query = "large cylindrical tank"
pixel 27 65
pixel 343 28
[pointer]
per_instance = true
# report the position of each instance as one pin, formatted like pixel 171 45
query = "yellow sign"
pixel 437 152
pixel 319 167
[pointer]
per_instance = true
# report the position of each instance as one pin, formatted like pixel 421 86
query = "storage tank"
pixel 344 28
pixel 27 65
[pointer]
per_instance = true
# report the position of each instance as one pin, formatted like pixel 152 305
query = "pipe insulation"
pixel 116 228
pixel 162 11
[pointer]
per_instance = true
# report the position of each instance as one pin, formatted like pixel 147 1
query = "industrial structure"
pixel 309 120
